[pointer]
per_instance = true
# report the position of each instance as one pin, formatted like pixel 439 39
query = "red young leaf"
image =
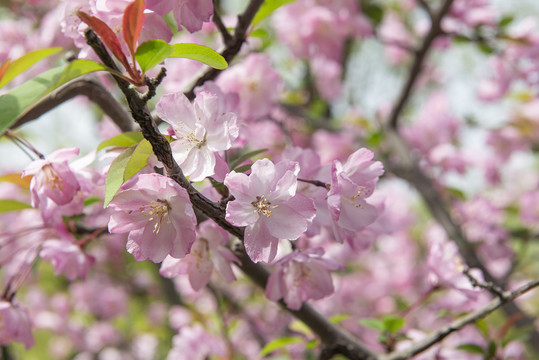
pixel 4 67
pixel 107 36
pixel 132 24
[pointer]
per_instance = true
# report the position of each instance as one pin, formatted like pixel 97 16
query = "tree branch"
pixel 234 45
pixel 406 167
pixel 418 347
pixel 93 90
pixel 333 339
pixel 419 58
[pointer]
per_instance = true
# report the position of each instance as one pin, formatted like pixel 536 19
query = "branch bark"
pixel 435 31
pixel 458 324
pixel 234 45
pixel 93 90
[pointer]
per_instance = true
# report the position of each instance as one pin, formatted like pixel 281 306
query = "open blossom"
pixel 157 214
pixel 446 266
pixel 251 80
pixel 351 183
pixel 209 250
pixel 266 203
pixel 188 13
pixel 201 129
pixel 301 276
pixel 66 255
pixel 15 324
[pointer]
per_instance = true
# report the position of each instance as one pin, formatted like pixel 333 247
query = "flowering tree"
pixel 296 209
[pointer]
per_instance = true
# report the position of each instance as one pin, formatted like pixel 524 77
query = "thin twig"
pixel 420 346
pixel 94 91
pixel 227 38
pixel 234 46
pixel 426 7
pixel 331 336
pixel 435 30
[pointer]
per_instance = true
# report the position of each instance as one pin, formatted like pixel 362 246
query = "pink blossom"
pixel 188 13
pixel 201 129
pixel 351 184
pixel 529 209
pixel 327 74
pixel 267 204
pixel 301 276
pixel 310 27
pixel 66 256
pixel 250 80
pixel 208 250
pixel 194 342
pixel 15 324
pixel 396 38
pixel 446 267
pixel 158 215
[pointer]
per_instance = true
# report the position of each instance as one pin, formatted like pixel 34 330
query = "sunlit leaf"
pixel 199 53
pixel 392 323
pixel 15 178
pixel 25 62
pixel 152 53
pixel 12 205
pixel 138 160
pixel 372 323
pixel 267 8
pixel 123 140
pixel 115 175
pixel 279 344
pixel 16 102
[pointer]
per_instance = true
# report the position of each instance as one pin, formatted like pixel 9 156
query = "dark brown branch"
pixel 334 340
pixel 420 346
pixel 227 38
pixel 406 167
pixel 93 90
pixel 435 30
pixel 234 45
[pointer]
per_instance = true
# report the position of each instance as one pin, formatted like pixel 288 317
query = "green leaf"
pixel 267 8
pixel 13 205
pixel 16 102
pixel 471 348
pixel 245 157
pixel 506 20
pixel 338 318
pixel 199 53
pixel 152 53
pixel 300 327
pixel 127 164
pixel 123 140
pixel 115 175
pixel 15 178
pixel 278 344
pixel 91 200
pixel 244 168
pixel 25 62
pixel 491 351
pixel 139 159
pixel 374 12
pixel 393 323
pixel 373 323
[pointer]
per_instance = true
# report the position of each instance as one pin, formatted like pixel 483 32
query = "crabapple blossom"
pixel 201 130
pixel 157 214
pixel 250 81
pixel 188 13
pixel 15 324
pixel 446 267
pixel 351 183
pixel 208 250
pixel 66 255
pixel 300 276
pixel 267 204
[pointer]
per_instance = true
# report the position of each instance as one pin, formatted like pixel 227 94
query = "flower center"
pixel 52 177
pixel 157 211
pixel 363 192
pixel 263 206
